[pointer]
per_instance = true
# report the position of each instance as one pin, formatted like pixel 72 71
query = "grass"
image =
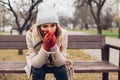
pixel 93 31
pixel 76 55
pixel 108 33
pixel 3 33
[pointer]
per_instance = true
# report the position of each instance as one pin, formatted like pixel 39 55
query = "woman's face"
pixel 48 27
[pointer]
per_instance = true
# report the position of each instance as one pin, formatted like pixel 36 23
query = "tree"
pixel 83 15
pixel 22 13
pixel 95 9
pixel 63 20
pixel 117 21
pixel 3 19
pixel 106 20
pixel 23 18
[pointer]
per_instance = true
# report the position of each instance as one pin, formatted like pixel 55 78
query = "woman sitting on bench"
pixel 47 44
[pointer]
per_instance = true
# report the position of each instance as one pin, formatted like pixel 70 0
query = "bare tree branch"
pixel 22 26
pixel 92 11
pixel 30 14
pixel 14 13
pixel 94 1
pixel 103 3
pixel 95 13
pixel 32 1
pixel 4 6
pixel 3 2
pixel 19 11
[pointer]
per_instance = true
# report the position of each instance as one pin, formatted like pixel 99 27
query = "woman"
pixel 47 44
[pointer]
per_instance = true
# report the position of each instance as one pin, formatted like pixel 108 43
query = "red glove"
pixel 47 39
pixel 53 41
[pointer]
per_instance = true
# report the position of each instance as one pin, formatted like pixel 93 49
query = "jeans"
pixel 60 73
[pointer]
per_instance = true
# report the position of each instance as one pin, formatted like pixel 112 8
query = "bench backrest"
pixel 74 42
pixel 12 42
pixel 86 41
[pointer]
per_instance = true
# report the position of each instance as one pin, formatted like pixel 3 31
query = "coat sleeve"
pixel 59 57
pixel 36 60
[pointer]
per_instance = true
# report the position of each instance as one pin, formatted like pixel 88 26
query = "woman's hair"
pixel 58 31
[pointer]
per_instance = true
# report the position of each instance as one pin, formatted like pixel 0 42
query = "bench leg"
pixel 104 76
pixel 118 75
pixel 20 52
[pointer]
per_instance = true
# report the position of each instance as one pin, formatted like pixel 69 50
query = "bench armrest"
pixel 117 47
pixel 106 51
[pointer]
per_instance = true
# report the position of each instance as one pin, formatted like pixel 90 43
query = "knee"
pixel 38 71
pixel 61 70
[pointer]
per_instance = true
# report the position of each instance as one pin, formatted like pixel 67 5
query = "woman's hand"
pixel 53 41
pixel 49 40
pixel 70 62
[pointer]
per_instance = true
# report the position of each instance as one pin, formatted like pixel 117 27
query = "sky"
pixel 113 5
pixel 65 7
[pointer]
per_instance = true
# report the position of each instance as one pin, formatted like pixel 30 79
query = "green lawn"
pixel 3 33
pixel 107 33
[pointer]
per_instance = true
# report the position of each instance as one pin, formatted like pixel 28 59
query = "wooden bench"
pixel 74 42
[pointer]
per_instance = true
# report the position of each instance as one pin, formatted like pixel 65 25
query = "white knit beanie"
pixel 46 14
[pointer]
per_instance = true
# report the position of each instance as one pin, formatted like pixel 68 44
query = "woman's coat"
pixel 37 56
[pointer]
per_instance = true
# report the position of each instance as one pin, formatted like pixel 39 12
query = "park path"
pixel 114 54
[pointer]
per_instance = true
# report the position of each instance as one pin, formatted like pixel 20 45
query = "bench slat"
pixel 84 45
pixel 95 66
pixel 74 42
pixel 85 38
pixel 100 66
pixel 12 38
pixel 12 67
pixel 13 45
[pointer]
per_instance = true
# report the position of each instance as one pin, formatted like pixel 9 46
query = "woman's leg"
pixel 38 73
pixel 60 73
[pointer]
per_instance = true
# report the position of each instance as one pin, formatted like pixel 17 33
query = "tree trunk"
pixel 99 29
pixel 73 26
pixel 86 26
pixel 3 29
pixel 20 51
pixel 81 28
pixel 118 25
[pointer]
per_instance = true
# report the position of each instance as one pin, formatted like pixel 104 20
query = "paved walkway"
pixel 114 54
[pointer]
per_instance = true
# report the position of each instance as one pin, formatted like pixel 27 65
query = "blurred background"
pixel 77 16
pixel 91 16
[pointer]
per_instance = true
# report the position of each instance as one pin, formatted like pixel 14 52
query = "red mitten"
pixel 46 42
